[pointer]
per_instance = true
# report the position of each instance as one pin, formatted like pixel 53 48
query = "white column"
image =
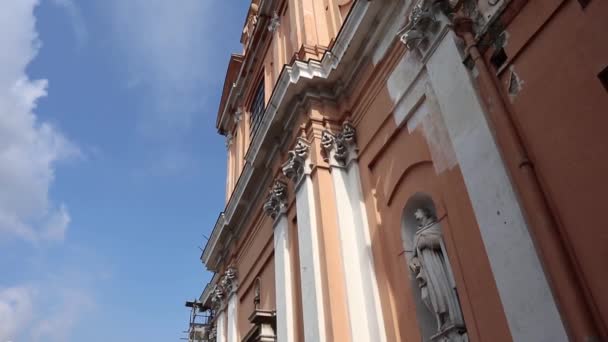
pixel 220 325
pixel 232 328
pixel 276 207
pixel 283 280
pixel 363 299
pixel 297 169
pixel 525 294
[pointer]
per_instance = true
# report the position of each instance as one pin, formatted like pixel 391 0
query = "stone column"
pixel 297 169
pixel 230 285
pixel 364 311
pixel 275 207
pixel 218 301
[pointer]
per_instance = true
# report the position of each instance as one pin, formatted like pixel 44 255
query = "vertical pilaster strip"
pixel 232 327
pixel 275 207
pixel 365 313
pixel 297 169
pixel 284 283
pixel 523 289
pixel 221 326
pixel 230 284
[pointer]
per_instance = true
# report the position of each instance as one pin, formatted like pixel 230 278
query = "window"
pixel 257 109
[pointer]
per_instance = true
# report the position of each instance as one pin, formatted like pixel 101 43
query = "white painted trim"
pixel 363 299
pixel 232 322
pixel 283 280
pixel 523 289
pixel 290 75
pixel 313 309
pixel 220 326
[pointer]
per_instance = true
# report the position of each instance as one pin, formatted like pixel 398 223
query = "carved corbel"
pixel 228 140
pixel 217 298
pixel 422 22
pixel 277 199
pixel 230 280
pixel 238 115
pixel 342 147
pixel 293 168
pixel 275 22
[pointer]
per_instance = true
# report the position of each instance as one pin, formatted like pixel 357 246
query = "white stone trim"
pixel 232 321
pixel 363 299
pixel 283 280
pixel 313 309
pixel 220 325
pixel 523 289
pixel 291 74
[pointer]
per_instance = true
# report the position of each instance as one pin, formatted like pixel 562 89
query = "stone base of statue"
pixel 451 333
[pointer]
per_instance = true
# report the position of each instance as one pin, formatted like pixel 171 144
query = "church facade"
pixel 425 170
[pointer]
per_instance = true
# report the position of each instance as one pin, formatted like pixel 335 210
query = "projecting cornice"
pixel 291 76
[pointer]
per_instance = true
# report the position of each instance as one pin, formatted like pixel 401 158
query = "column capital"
pixel 295 166
pixel 229 281
pixel 276 202
pixel 340 148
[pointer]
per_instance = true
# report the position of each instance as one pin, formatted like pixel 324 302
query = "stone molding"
pixel 291 75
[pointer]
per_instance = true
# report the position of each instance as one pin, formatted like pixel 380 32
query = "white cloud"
pixel 164 45
pixel 27 314
pixel 58 325
pixel 76 19
pixel 15 311
pixel 29 148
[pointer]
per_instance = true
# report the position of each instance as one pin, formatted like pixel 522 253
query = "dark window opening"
pixel 257 108
pixel 498 58
pixel 603 76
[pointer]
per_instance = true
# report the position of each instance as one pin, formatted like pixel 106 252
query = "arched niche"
pixel 430 274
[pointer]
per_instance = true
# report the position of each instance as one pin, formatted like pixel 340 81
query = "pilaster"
pixel 363 299
pixel 276 207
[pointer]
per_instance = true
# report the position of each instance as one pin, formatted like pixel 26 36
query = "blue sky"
pixel 111 169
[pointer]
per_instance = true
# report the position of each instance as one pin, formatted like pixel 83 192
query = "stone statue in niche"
pixel 430 267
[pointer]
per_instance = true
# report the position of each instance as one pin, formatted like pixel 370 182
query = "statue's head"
pixel 424 217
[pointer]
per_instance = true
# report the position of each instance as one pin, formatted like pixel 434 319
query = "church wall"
pixel 396 163
pixel 555 51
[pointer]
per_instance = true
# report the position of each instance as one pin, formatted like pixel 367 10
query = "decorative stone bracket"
pixel 277 199
pixel 341 147
pixel 294 167
pixel 226 286
pixel 423 22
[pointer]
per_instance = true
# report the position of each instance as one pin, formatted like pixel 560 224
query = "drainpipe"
pixel 567 281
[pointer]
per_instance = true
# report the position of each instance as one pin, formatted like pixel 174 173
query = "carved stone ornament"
pixel 229 281
pixel 340 146
pixel 277 199
pixel 275 22
pixel 238 115
pixel 293 168
pixel 228 140
pixel 217 298
pixel 420 20
pixel 431 269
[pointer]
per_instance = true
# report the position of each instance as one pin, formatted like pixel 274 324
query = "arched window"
pixel 437 306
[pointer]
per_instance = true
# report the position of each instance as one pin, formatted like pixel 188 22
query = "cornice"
pixel 290 76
